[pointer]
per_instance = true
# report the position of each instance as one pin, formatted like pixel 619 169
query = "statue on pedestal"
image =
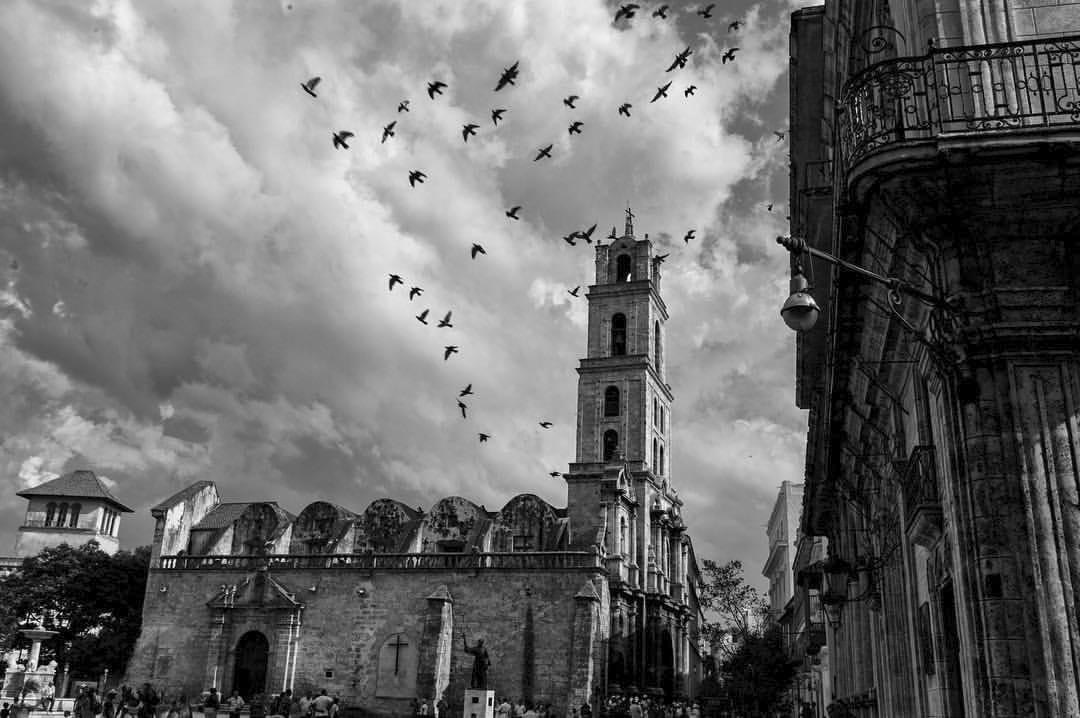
pixel 11 661
pixel 480 663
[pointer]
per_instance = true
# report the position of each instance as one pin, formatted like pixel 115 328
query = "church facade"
pixel 573 603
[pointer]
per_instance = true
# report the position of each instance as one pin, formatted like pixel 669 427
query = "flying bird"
pixel 435 88
pixel 496 115
pixel 448 351
pixel 466 391
pixel 735 25
pixel 388 131
pixel 403 106
pixel 780 135
pixel 575 127
pixel 661 92
pixel 706 12
pixel 729 55
pixel 661 12
pixel 415 292
pixel 508 76
pixel 445 321
pixel 680 59
pixel 484 437
pixel 689 236
pixel 476 249
pixel 626 11
pixel 545 424
pixel 469 129
pixel 310 85
pixel 416 176
pixel 689 90
pixel 512 213
pixel 554 474
pixel 659 259
pixel 395 279
pixel 340 139
pixel 769 207
pixel 543 152
pixel 569 239
pixel 574 292
pixel 569 101
pixel 612 235
pixel 463 407
pixel 624 109
pixel 587 234
pixel 422 316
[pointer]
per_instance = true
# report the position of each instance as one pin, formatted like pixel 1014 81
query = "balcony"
pixel 992 92
pixel 922 503
pixel 522 560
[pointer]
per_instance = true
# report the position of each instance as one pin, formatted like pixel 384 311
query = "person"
pixel 48 696
pixel 442 708
pixel 335 708
pixel 586 710
pixel 305 705
pixel 321 705
pixel 529 712
pixel 235 703
pixel 211 703
pixel 280 705
pixel 635 708
pixel 5 711
pixel 87 704
pixel 503 710
pixel 148 701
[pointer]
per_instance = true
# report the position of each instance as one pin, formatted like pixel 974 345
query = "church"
pixel 573 603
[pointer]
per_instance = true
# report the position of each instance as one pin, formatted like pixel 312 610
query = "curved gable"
pixel 320 527
pixel 254 528
pixel 454 524
pixel 386 526
pixel 526 523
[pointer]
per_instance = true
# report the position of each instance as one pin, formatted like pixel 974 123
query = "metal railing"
pixel 532 560
pixel 992 88
pixel 920 481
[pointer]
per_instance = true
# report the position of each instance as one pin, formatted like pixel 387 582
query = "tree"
pixel 758 673
pixel 732 607
pixel 93 600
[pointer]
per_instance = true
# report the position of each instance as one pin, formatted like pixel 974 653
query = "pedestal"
pixel 479 704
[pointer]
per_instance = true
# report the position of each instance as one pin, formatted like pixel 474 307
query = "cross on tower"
pixel 629 222
pixel 397 645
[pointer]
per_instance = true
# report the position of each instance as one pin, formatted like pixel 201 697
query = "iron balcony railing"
pixel 995 88
pixel 920 482
pixel 535 560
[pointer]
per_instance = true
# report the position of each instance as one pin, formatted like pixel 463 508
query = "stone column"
pixel 433 660
pixel 583 646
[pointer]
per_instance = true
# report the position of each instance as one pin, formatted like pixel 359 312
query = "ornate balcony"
pixel 987 91
pixel 922 503
pixel 518 561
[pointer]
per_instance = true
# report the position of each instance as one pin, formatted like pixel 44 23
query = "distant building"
pixel 783 533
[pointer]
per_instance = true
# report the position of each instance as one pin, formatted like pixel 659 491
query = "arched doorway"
pixel 252 654
pixel 667 663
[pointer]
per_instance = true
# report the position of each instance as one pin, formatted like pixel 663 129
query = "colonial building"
pixel 782 531
pixel 375 605
pixel 935 151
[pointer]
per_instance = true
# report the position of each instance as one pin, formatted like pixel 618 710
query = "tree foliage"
pixel 732 607
pixel 93 600
pixel 758 674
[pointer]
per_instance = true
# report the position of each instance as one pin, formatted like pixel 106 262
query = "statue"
pixel 11 660
pixel 480 663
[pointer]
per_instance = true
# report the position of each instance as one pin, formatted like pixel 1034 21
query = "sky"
pixel 193 279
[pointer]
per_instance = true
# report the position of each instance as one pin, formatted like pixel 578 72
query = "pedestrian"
pixel 211 703
pixel 48 696
pixel 235 703
pixel 305 705
pixel 321 705
pixel 335 708
pixel 87 704
pixel 586 710
pixel 425 709
pixel 148 701
pixel 529 712
pixel 504 708
pixel 442 709
pixel 5 711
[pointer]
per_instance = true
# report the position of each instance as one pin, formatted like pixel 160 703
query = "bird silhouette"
pixel 769 207
pixel 735 25
pixel 545 424
pixel 403 106
pixel 659 259
pixel 569 239
pixel 554 474
pixel 508 76
pixel 484 437
pixel 543 152
pixel 388 131
pixel 422 316
pixel 680 59
pixel 575 127
pixel 689 90
pixel 729 55
pixel 445 321
pixel 435 88
pixel 574 292
pixel 512 213
pixel 463 407
pixel 451 349
pixel 779 135
pixel 587 234
pixel 661 92
pixel 340 139
pixel 415 292
pixel 612 235
pixel 469 129
pixel 416 176
pixel 706 12
pixel 661 12
pixel 624 109
pixel 466 391
pixel 626 11
pixel 689 236
pixel 569 101
pixel 496 115
pixel 310 85
pixel 476 249
pixel 395 279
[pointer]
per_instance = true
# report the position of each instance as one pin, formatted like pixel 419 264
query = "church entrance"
pixel 252 654
pixel 667 663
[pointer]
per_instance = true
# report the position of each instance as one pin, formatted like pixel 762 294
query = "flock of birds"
pixel 509 75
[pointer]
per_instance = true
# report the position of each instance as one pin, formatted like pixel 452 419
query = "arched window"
pixel 655 455
pixel 61 515
pixel 618 335
pixel 622 535
pixel 661 460
pixel 611 444
pixel 73 520
pixel 657 347
pixel 655 412
pixel 663 420
pixel 50 513
pixel 622 268
pixel 611 401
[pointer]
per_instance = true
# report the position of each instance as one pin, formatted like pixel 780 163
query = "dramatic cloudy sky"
pixel 193 281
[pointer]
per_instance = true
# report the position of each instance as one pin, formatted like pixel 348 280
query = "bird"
pixel 545 424
pixel 554 474
pixel 403 106
pixel 587 234
pixel 388 131
pixel 769 207
pixel 508 76
pixel 574 292
pixel 415 292
pixel 779 135
pixel 660 92
pixel 659 259
pixel 624 109
pixel 569 101
pixel 612 235
pixel 469 129
pixel 341 137
pixel 463 407
pixel 512 213
pixel 484 437
pixel 466 391
pixel 680 59
pixel 395 279
pixel 706 12
pixel 689 236
pixel 476 249
pixel 445 321
pixel 729 55
pixel 569 239
pixel 689 90
pixel 543 152
pixel 626 11
pixel 422 316
pixel 451 349
pixel 435 88
pixel 416 176
pixel 661 12
pixel 310 85
pixel 496 115
pixel 735 25
pixel 575 127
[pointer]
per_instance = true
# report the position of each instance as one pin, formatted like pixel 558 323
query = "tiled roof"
pixel 80 484
pixel 221 516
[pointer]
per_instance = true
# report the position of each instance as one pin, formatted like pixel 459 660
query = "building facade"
pixel 935 143
pixel 573 603
pixel 782 531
